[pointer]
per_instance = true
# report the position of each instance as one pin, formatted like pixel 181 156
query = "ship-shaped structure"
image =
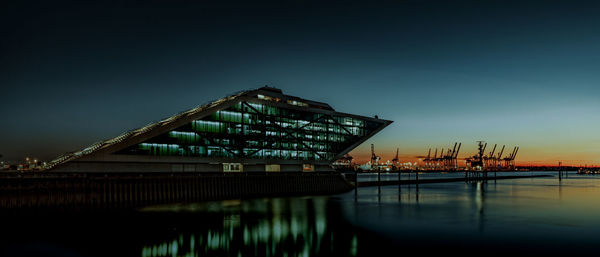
pixel 254 130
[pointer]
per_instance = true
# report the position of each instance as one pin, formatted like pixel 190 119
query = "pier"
pixel 439 180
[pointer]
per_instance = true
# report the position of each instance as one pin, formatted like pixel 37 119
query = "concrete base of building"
pixel 137 164
pixel 117 190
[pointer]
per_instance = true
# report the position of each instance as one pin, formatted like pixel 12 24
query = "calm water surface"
pixel 528 216
pixel 364 177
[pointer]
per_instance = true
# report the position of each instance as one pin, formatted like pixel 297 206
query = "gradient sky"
pixel 520 73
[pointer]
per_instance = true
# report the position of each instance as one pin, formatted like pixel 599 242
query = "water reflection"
pixel 506 217
pixel 529 214
pixel 264 227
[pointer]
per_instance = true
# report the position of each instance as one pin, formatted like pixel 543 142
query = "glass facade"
pixel 260 131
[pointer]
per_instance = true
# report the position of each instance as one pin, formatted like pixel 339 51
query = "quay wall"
pixel 137 190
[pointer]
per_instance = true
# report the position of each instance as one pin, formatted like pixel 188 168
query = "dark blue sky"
pixel 509 72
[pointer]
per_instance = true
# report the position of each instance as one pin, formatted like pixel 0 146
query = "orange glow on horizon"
pixel 525 158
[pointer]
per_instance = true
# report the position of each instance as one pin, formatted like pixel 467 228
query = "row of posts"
pixel 560 172
pixel 469 175
pixel 379 180
pixel 379 183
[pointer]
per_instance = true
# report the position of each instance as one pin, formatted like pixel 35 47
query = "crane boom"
pixel 453 150
pixel 457 150
pixel 502 151
pixel 516 151
pixel 493 150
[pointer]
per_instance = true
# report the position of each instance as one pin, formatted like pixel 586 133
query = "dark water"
pixel 528 216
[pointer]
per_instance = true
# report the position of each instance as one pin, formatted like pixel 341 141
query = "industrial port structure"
pixel 446 160
pixel 479 161
pixel 491 162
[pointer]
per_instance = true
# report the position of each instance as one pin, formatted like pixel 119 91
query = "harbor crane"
pixel 509 161
pixel 427 159
pixel 395 161
pixel 499 158
pixel 445 161
pixel 374 157
pixel 490 160
pixel 481 160
pixel 455 157
pixel 477 161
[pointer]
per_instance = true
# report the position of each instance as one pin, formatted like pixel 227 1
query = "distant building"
pixel 255 130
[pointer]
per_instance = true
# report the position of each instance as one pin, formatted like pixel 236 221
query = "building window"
pixel 259 131
pixel 308 167
pixel 272 168
pixel 233 167
pixel 294 102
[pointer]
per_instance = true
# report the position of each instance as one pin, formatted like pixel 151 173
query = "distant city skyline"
pixel 514 73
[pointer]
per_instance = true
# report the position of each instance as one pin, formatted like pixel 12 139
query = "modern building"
pixel 255 130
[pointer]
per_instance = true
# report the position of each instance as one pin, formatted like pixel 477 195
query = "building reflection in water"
pixel 261 227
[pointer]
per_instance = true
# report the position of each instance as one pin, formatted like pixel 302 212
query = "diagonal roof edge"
pixel 363 139
pixel 135 132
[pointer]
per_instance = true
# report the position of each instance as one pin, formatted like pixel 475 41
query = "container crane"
pixel 395 161
pixel 374 158
pixel 455 157
pixel 499 158
pixel 509 160
pixel 490 160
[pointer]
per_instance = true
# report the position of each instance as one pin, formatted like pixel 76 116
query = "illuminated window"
pixel 233 167
pixel 294 102
pixel 272 168
pixel 308 167
pixel 259 131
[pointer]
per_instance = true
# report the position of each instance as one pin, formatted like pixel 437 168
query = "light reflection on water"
pixel 527 213
pixel 530 216
pixel 527 216
pixel 260 227
pixel 535 215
